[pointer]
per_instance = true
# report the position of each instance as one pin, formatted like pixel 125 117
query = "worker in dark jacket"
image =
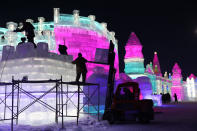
pixel 80 67
pixel 175 98
pixel 29 31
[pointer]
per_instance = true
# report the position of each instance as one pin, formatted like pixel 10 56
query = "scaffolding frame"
pixel 79 92
pixel 61 92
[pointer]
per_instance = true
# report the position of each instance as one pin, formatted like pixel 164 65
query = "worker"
pixel 23 39
pixel 29 31
pixel 175 98
pixel 80 67
pixel 127 94
pixel 63 50
pixel 2 39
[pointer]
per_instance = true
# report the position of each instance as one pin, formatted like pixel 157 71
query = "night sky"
pixel 170 28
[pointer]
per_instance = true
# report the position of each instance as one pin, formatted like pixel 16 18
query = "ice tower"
pixel 150 73
pixel 134 59
pixel 156 65
pixel 191 91
pixel 176 82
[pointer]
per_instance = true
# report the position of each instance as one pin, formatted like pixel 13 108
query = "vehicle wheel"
pixel 143 119
pixel 111 118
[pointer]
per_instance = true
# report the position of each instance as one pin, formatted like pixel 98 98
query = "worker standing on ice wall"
pixel 29 31
pixel 80 67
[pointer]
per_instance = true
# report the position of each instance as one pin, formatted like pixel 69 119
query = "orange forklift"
pixel 126 105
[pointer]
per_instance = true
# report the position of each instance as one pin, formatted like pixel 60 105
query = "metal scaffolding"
pixel 62 96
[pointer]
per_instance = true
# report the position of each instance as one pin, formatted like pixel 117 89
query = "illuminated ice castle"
pixel 151 78
pixel 92 39
pixel 79 34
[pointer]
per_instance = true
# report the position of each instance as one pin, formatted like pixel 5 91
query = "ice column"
pixel 76 17
pixel 104 25
pixel 40 24
pixel 56 15
pixel 11 36
pixel 116 45
pixel 92 20
pixel 165 83
pixel 112 36
pixel 48 37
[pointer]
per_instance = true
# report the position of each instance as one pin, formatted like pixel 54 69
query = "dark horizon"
pixel 168 28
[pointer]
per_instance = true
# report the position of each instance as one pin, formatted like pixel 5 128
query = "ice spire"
pixel 192 76
pixel 134 59
pixel 133 47
pixel 156 65
pixel 176 69
pixel 133 39
pixel 176 82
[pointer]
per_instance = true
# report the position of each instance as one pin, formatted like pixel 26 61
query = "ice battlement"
pixel 27 50
pixel 36 63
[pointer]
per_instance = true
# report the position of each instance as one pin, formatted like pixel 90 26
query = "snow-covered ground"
pixel 172 117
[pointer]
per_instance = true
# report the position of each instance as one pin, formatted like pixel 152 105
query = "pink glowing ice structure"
pixel 156 65
pixel 84 41
pixel 192 76
pixel 176 82
pixel 133 47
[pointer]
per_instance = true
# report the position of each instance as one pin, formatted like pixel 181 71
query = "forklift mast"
pixel 110 82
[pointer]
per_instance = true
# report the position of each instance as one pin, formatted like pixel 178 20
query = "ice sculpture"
pixel 156 65
pixel 71 28
pixel 79 34
pixel 176 82
pixel 191 90
pixel 40 23
pixel 134 60
pixel 76 17
pixel 92 21
pixel 30 21
pixel 11 36
pixel 104 25
pixel 56 15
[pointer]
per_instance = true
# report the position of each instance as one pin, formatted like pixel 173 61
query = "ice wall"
pixel 37 63
pixel 84 41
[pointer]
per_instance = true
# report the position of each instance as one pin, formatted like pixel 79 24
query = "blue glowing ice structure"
pixel 145 87
pixel 150 73
pixel 37 64
pixel 100 77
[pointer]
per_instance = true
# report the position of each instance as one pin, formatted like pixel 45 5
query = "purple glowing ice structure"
pixel 176 82
pixel 156 65
pixel 84 41
pixel 133 47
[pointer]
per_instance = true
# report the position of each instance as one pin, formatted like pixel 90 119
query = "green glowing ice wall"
pixel 134 68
